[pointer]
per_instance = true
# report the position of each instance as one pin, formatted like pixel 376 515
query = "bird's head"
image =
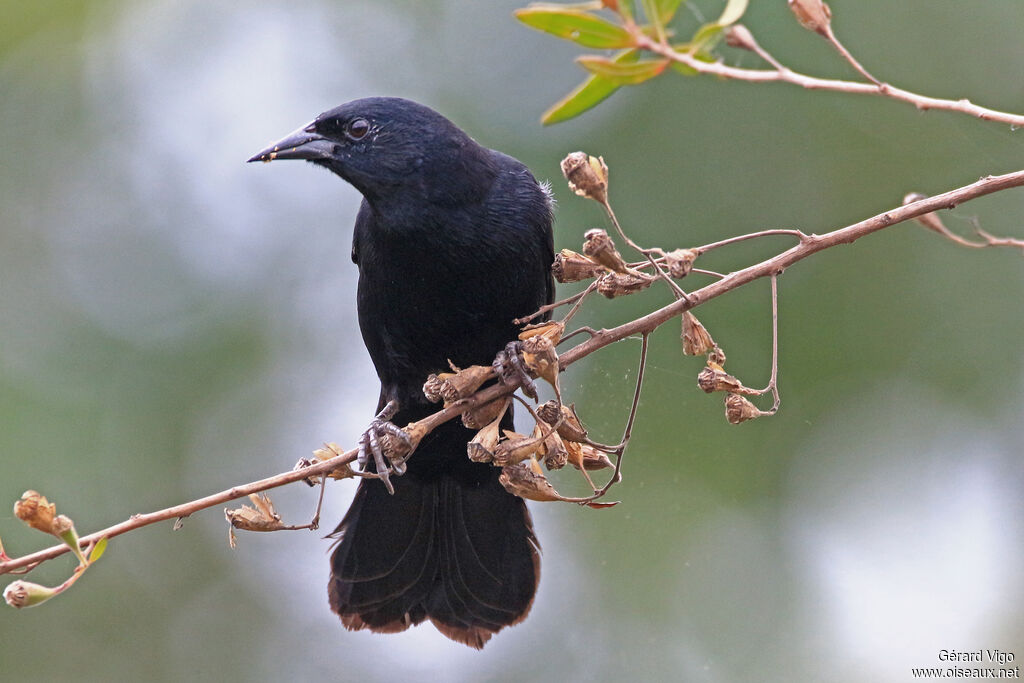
pixel 384 146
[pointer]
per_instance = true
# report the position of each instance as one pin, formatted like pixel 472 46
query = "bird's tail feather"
pixel 456 549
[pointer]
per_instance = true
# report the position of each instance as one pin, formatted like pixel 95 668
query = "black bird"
pixel 453 242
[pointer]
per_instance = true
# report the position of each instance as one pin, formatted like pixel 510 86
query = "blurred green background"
pixel 174 321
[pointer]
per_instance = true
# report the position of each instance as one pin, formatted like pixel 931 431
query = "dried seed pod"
pixel 594 459
pixel 481 416
pixel 583 456
pixel 552 449
pixel 331 450
pixel 680 262
pixel 740 36
pixel 571 428
pixel 527 481
pixel 612 285
pixel 601 249
pixel 481 448
pixel 262 517
pixel 813 15
pixel 551 330
pixel 432 388
pixel 587 176
pixel 515 448
pixel 714 378
pixel 570 266
pixel 696 340
pixel 36 511
pixel 415 431
pixel 738 409
pixel 452 386
pixel 541 358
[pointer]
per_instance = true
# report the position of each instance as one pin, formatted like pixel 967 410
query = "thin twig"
pixel 781 74
pixel 677 291
pixel 550 307
pixel 703 249
pixel 579 302
pixel 831 37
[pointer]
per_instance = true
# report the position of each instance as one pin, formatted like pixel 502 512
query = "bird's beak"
pixel 305 143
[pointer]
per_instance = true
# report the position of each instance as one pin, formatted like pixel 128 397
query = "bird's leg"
pixel 509 366
pixel 372 443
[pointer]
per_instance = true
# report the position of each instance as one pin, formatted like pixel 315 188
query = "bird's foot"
pixel 387 444
pixel 510 367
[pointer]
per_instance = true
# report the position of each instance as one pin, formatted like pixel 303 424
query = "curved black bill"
pixel 304 143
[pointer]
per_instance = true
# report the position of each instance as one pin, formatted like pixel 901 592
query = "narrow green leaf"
pixel 706 37
pixel 683 69
pixel 623 74
pixel 734 9
pixel 576 25
pixel 665 9
pixel 98 550
pixel 587 95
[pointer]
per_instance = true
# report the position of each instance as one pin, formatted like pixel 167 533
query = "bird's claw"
pixel 510 367
pixel 388 444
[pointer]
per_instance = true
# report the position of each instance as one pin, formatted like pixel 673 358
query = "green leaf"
pixel 587 95
pixel 706 37
pixel 98 550
pixel 664 10
pixel 734 9
pixel 623 74
pixel 575 25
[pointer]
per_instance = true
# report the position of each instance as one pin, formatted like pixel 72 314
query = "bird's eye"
pixel 357 129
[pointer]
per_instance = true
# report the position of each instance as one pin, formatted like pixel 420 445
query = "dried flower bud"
pixel 452 386
pixel 36 511
pixel 551 330
pixel 696 340
pixel 740 36
pixel 813 15
pixel 27 594
pixel 481 448
pixel 714 378
pixel 515 448
pixel 570 266
pixel 552 449
pixel 680 262
pixel 527 481
pixel 738 409
pixel 571 428
pixel 601 249
pixel 616 284
pixel 481 416
pixel 587 176
pixel 540 358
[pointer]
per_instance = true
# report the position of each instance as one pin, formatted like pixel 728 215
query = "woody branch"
pixel 808 245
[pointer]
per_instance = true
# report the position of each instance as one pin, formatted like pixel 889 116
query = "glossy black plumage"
pixel 453 241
